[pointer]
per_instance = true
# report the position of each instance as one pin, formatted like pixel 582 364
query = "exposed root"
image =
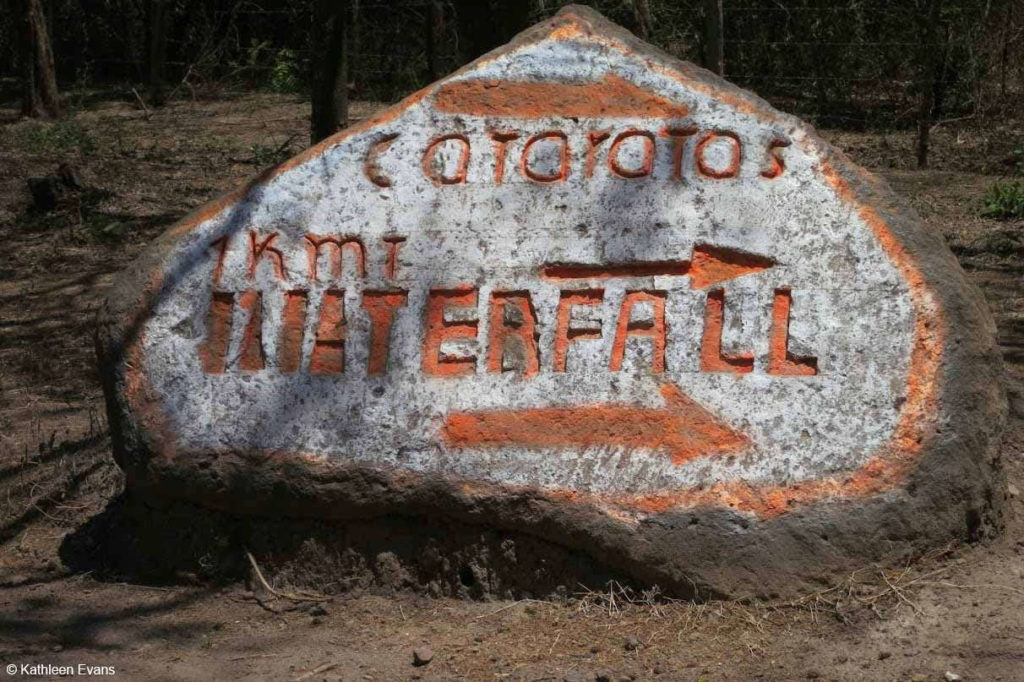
pixel 293 596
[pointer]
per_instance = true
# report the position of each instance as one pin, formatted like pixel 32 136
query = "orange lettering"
pixel 513 329
pixel 222 252
pixel 678 136
pixel 439 330
pixel 214 351
pixel 435 171
pixel 563 166
pixel 251 358
pixel 712 359
pixel 780 361
pixel 371 168
pixel 594 140
pixel 314 242
pixel 645 167
pixel 654 329
pixel 381 306
pixel 565 333
pixel 734 163
pixel 501 140
pixel 293 325
pixel 329 348
pixel 258 247
pixel 393 242
pixel 777 164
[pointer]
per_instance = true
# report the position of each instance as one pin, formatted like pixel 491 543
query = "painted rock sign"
pixel 576 289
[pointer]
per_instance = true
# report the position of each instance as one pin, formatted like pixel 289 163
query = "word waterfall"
pixel 451 315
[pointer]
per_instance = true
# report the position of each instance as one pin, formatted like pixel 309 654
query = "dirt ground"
pixel 956 614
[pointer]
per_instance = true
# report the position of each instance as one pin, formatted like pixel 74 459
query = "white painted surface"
pixel 850 307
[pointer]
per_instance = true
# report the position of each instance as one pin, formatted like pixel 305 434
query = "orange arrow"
pixel 682 428
pixel 710 265
pixel 613 97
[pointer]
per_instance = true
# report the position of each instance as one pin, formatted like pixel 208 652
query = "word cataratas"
pixel 553 156
pixel 450 317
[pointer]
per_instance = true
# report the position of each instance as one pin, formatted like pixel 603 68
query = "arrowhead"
pixel 613 97
pixel 711 265
pixel 694 431
pixel 683 428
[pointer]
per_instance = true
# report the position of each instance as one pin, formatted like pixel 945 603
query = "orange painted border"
pixel 886 469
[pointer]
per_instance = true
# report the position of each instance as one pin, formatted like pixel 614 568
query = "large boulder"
pixel 582 292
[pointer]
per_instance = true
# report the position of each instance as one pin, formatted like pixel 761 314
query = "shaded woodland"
pixel 853 64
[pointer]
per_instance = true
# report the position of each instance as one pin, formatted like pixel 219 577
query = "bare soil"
pixel 955 612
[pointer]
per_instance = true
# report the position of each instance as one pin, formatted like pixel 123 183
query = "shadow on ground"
pixel 174 543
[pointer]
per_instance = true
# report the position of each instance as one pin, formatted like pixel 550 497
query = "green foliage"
pixel 103 229
pixel 284 73
pixel 60 136
pixel 270 155
pixel 1004 201
pixel 1016 160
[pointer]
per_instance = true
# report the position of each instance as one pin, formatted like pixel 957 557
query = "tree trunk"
pixel 714 43
pixel 644 22
pixel 40 96
pixel 930 63
pixel 355 30
pixel 330 67
pixel 350 39
pixel 435 37
pixel 1005 52
pixel 157 50
pixel 27 61
pixel 477 33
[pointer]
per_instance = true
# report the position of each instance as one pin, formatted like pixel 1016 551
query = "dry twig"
pixel 308 596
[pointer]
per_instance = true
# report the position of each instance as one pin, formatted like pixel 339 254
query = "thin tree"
pixel 157 50
pixel 644 21
pixel 1005 52
pixel 434 37
pixel 930 64
pixel 714 47
pixel 330 68
pixel 39 82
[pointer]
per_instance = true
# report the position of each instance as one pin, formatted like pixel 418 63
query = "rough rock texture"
pixel 577 291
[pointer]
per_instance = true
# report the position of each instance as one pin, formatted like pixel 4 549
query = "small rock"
pixel 422 655
pixel 813 674
pixel 45 191
pixel 952 677
pixel 70 176
pixel 632 643
pixel 188 577
pixel 478 638
pixel 1013 490
pixel 603 676
pixel 318 610
pixel 882 655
